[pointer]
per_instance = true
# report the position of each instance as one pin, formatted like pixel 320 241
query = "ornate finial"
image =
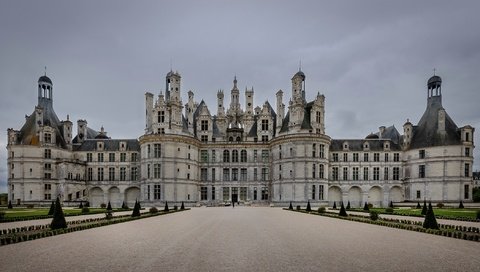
pixel 68 117
pixel 235 81
pixel 434 71
pixel 45 70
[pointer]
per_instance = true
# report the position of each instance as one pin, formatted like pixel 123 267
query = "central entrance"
pixel 234 194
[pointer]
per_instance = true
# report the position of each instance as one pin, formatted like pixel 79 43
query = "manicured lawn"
pixel 23 212
pixel 450 212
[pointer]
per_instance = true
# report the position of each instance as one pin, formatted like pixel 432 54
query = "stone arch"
pixel 131 195
pixel 334 194
pixel 114 197
pixel 396 194
pixel 375 196
pixel 355 196
pixel 96 197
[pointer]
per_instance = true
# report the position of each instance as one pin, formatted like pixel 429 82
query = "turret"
pixel 235 96
pixel 148 112
pixel 280 110
pixel 220 107
pixel 249 101
pixel 407 134
pixel 81 130
pixel 298 87
pixel 172 86
pixel 67 131
pixel 45 91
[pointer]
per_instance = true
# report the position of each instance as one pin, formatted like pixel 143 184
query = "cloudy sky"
pixel 371 59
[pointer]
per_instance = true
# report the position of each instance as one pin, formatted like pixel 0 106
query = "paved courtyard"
pixel 242 239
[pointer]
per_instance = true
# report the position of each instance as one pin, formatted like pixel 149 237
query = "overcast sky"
pixel 371 59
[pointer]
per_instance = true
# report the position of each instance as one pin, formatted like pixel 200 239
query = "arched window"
pixel 235 156
pixel 243 156
pixel 226 156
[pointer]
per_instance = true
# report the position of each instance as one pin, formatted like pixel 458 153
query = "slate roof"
pixel 109 145
pixel 357 144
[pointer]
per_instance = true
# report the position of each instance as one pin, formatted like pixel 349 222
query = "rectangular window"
pixel 111 174
pixel 376 157
pixel 134 173
pixel 214 156
pixel 157 149
pixel 156 191
pixel 264 193
pixel 320 192
pixel 264 174
pixel 213 192
pixel 89 174
pixel 314 150
pixel 255 174
pixel 345 173
pixel 111 157
pixel 396 157
pixel 203 193
pixel 148 170
pixel 318 117
pixel 234 155
pixel 213 174
pixel 100 157
pixel 123 157
pixel 385 173
pixel 226 193
pixel 345 157
pixel 365 157
pixel 313 192
pixel 156 170
pixel 204 155
pixel 321 152
pixel 314 171
pixel 386 157
pixel 48 196
pixel 47 187
pixel 161 116
pixel 204 174
pixel 134 157
pixel 355 173
pixel 355 157
pixel 466 191
pixel 365 173
pixel 226 174
pixel 89 157
pixel 335 173
pixel 100 174
pixel 48 166
pixel 204 138
pixel 321 170
pixel 467 136
pixel 264 138
pixel 265 157
pixel 234 174
pixel 48 138
pixel 148 192
pixel 467 170
pixel 419 194
pixel 396 173
pixel 467 152
pixel 255 155
pixel 243 193
pixel 48 154
pixel 421 154
pixel 376 173
pixel 204 125
pixel 264 124
pixel 243 174
pixel 421 171
pixel 123 173
pixel 243 156
pixel 254 193
pixel 335 157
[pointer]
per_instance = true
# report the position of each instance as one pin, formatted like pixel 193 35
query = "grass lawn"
pixel 23 212
pixel 450 212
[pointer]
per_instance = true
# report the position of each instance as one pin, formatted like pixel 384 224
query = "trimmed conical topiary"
pixel 348 205
pixel 391 204
pixel 430 220
pixel 334 205
pixel 308 209
pixel 81 205
pixel 166 207
pixel 124 205
pixel 136 209
pixel 424 209
pixel 182 207
pixel 291 206
pixel 365 207
pixel 109 206
pixel 52 208
pixel 87 204
pixel 10 206
pixel 418 205
pixel 58 221
pixel 461 205
pixel 342 211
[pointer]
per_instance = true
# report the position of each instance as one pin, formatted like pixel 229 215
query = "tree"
pixel 182 207
pixel 166 207
pixel 365 207
pixel 10 206
pixel 136 209
pixel 418 205
pixel 348 205
pixel 58 221
pixel 52 209
pixel 291 206
pixel 308 209
pixel 342 211
pixel 461 205
pixel 430 220
pixel 334 205
pixel 391 204
pixel 424 209
pixel 109 206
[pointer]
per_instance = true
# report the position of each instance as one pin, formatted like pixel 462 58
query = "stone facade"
pixel 244 154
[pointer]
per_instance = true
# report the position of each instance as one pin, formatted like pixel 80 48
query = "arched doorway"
pixel 334 194
pixel 355 196
pixel 114 197
pixel 375 196
pixel 96 197
pixel 132 194
pixel 396 194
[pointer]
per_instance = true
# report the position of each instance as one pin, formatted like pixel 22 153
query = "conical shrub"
pixel 424 209
pixel 342 211
pixel 430 220
pixel 124 205
pixel 291 206
pixel 365 207
pixel 418 205
pixel 136 209
pixel 10 206
pixel 81 205
pixel 109 206
pixel 334 205
pixel 182 207
pixel 308 209
pixel 58 221
pixel 391 204
pixel 348 205
pixel 461 205
pixel 166 207
pixel 52 208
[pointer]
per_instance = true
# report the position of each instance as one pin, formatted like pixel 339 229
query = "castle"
pixel 256 155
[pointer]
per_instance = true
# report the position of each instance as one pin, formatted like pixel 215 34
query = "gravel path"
pixel 242 239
